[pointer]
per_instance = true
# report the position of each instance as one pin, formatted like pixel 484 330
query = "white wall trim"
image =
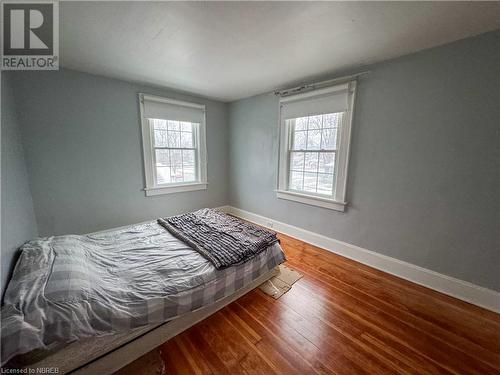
pixel 161 99
pixel 315 92
pixel 463 290
pixel 175 188
pixel 311 200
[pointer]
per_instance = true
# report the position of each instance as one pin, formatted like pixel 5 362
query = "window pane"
pixel 163 175
pixel 296 180
pixel 175 157
pixel 331 120
pixel 310 182
pixel 188 165
pixel 162 157
pixel 176 174
pixel 188 157
pixel 173 139
pixel 174 165
pixel 315 122
pixel 325 183
pixel 311 162
pixel 326 162
pixel 313 139
pixel 186 126
pixel 160 132
pixel 173 125
pixel 158 124
pixel 160 138
pixel 297 161
pixel 189 173
pixel 301 123
pixel 313 153
pixel 299 140
pixel 186 139
pixel 329 139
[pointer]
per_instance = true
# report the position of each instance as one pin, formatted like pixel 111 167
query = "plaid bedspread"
pixel 66 288
pixel 221 238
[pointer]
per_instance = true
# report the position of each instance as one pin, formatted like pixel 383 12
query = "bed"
pixel 93 303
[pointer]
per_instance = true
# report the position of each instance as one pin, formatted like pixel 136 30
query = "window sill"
pixel 312 200
pixel 179 188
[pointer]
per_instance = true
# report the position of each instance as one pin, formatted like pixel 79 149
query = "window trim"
pixel 338 202
pixel 151 187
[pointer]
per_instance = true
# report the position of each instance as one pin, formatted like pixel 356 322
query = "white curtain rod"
pixel 310 86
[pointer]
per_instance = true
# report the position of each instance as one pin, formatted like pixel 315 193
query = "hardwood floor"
pixel 341 318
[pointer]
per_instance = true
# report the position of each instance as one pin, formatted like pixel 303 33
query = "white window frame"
pixel 152 188
pixel 338 200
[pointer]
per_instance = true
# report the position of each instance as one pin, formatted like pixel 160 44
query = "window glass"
pixel 175 151
pixel 312 153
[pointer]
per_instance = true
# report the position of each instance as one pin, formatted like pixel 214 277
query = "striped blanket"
pixel 224 240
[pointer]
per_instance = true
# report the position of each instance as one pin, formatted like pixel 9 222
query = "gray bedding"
pixel 221 238
pixel 67 288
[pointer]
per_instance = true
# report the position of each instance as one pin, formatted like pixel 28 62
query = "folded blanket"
pixel 222 239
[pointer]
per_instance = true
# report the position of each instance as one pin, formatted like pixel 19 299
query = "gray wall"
pixel 17 218
pixel 424 179
pixel 83 152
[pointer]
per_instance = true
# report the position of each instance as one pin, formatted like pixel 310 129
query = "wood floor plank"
pixel 221 345
pixel 393 333
pixel 248 357
pixel 175 361
pixel 197 364
pixel 275 343
pixel 249 339
pixel 400 358
pixel 341 318
pixel 383 279
pixel 343 358
pixel 468 335
pixel 303 347
pixel 206 351
pixel 398 320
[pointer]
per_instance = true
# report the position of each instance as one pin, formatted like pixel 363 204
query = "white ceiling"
pixel 232 50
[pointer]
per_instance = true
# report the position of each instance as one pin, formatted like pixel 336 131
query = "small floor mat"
pixel 281 283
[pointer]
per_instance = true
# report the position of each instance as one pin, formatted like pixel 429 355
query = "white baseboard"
pixel 463 290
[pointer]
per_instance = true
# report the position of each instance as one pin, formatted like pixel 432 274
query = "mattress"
pixel 113 283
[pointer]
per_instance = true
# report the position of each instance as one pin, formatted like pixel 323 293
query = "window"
pixel 314 146
pixel 173 135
